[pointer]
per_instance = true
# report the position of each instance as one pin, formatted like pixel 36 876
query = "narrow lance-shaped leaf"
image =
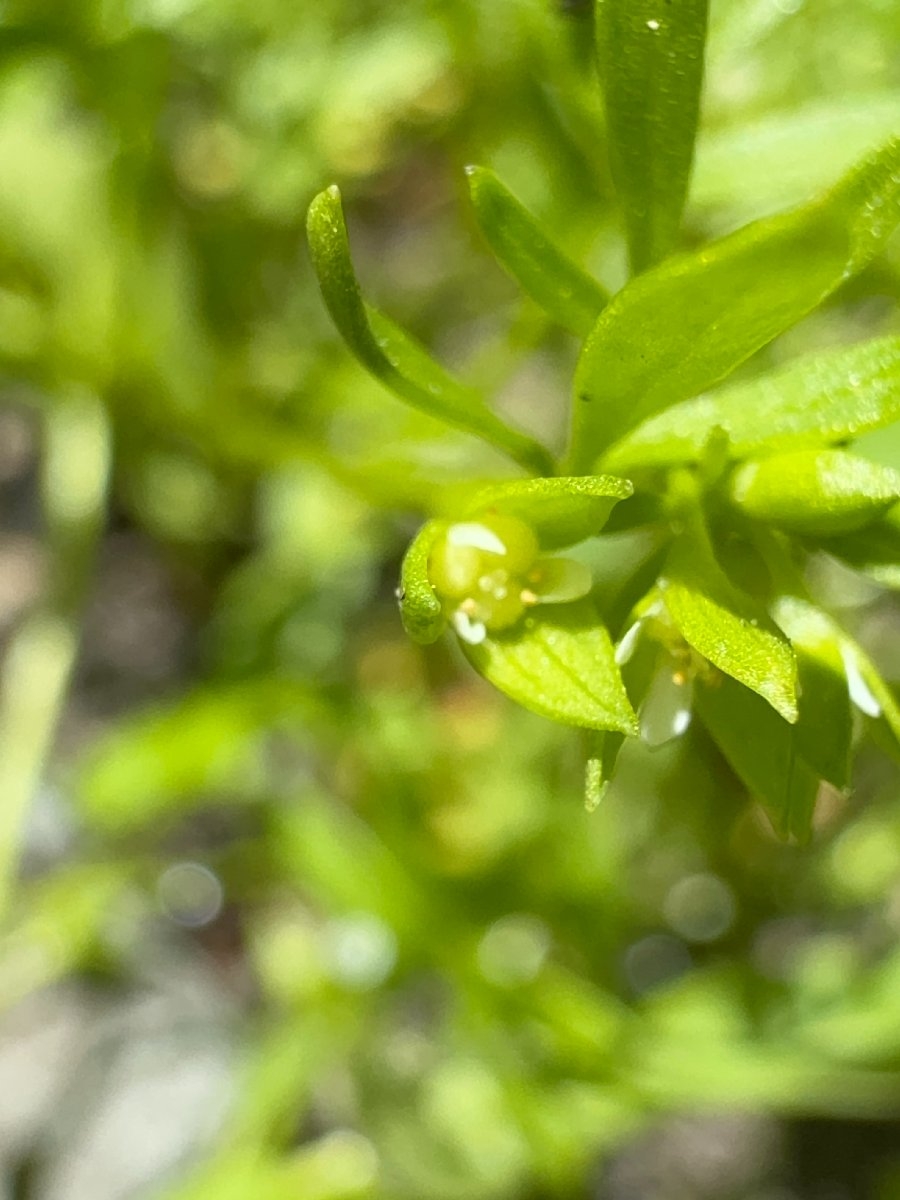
pixel 561 665
pixel 683 326
pixel 651 68
pixel 815 492
pixel 795 151
pixel 726 626
pixel 561 288
pixel 561 510
pixel 762 750
pixel 389 354
pixel 819 399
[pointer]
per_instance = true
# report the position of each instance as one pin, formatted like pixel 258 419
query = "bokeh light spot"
pixel 190 894
pixel 700 908
pixel 361 951
pixel 513 950
pixel 655 960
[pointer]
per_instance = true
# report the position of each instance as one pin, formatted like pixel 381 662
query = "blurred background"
pixel 293 909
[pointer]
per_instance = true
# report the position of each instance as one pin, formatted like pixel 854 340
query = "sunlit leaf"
pixel 651 69
pixel 726 626
pixel 763 751
pixel 558 285
pixel 815 492
pixel 561 510
pixel 388 353
pixel 681 327
pixel 815 400
pixel 560 664
pixel 791 153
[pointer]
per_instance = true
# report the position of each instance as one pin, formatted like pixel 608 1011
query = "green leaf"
pixel 762 750
pixel 561 510
pixel 389 354
pixel 560 664
pixel 207 744
pixel 824 729
pixel 815 492
pixel 726 626
pixel 870 693
pixel 874 550
pixel 677 330
pixel 651 68
pixel 815 400
pixel 568 294
pixel 794 152
pixel 420 609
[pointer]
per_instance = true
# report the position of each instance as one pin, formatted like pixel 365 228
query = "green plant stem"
pixel 41 656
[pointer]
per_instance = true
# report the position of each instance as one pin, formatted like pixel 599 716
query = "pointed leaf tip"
pixel 389 354
pixel 561 665
pixel 527 252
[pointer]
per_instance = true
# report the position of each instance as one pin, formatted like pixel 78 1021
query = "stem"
pixel 41 656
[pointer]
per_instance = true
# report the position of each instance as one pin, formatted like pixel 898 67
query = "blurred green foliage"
pixel 359 886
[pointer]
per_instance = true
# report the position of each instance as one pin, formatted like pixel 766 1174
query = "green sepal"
pixel 562 289
pixel 815 492
pixel 420 609
pixel 389 354
pixel 560 664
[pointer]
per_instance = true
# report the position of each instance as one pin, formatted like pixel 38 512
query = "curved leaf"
pixel 683 326
pixel 651 70
pixel 561 510
pixel 559 286
pixel 389 354
pixel 561 665
pixel 815 400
